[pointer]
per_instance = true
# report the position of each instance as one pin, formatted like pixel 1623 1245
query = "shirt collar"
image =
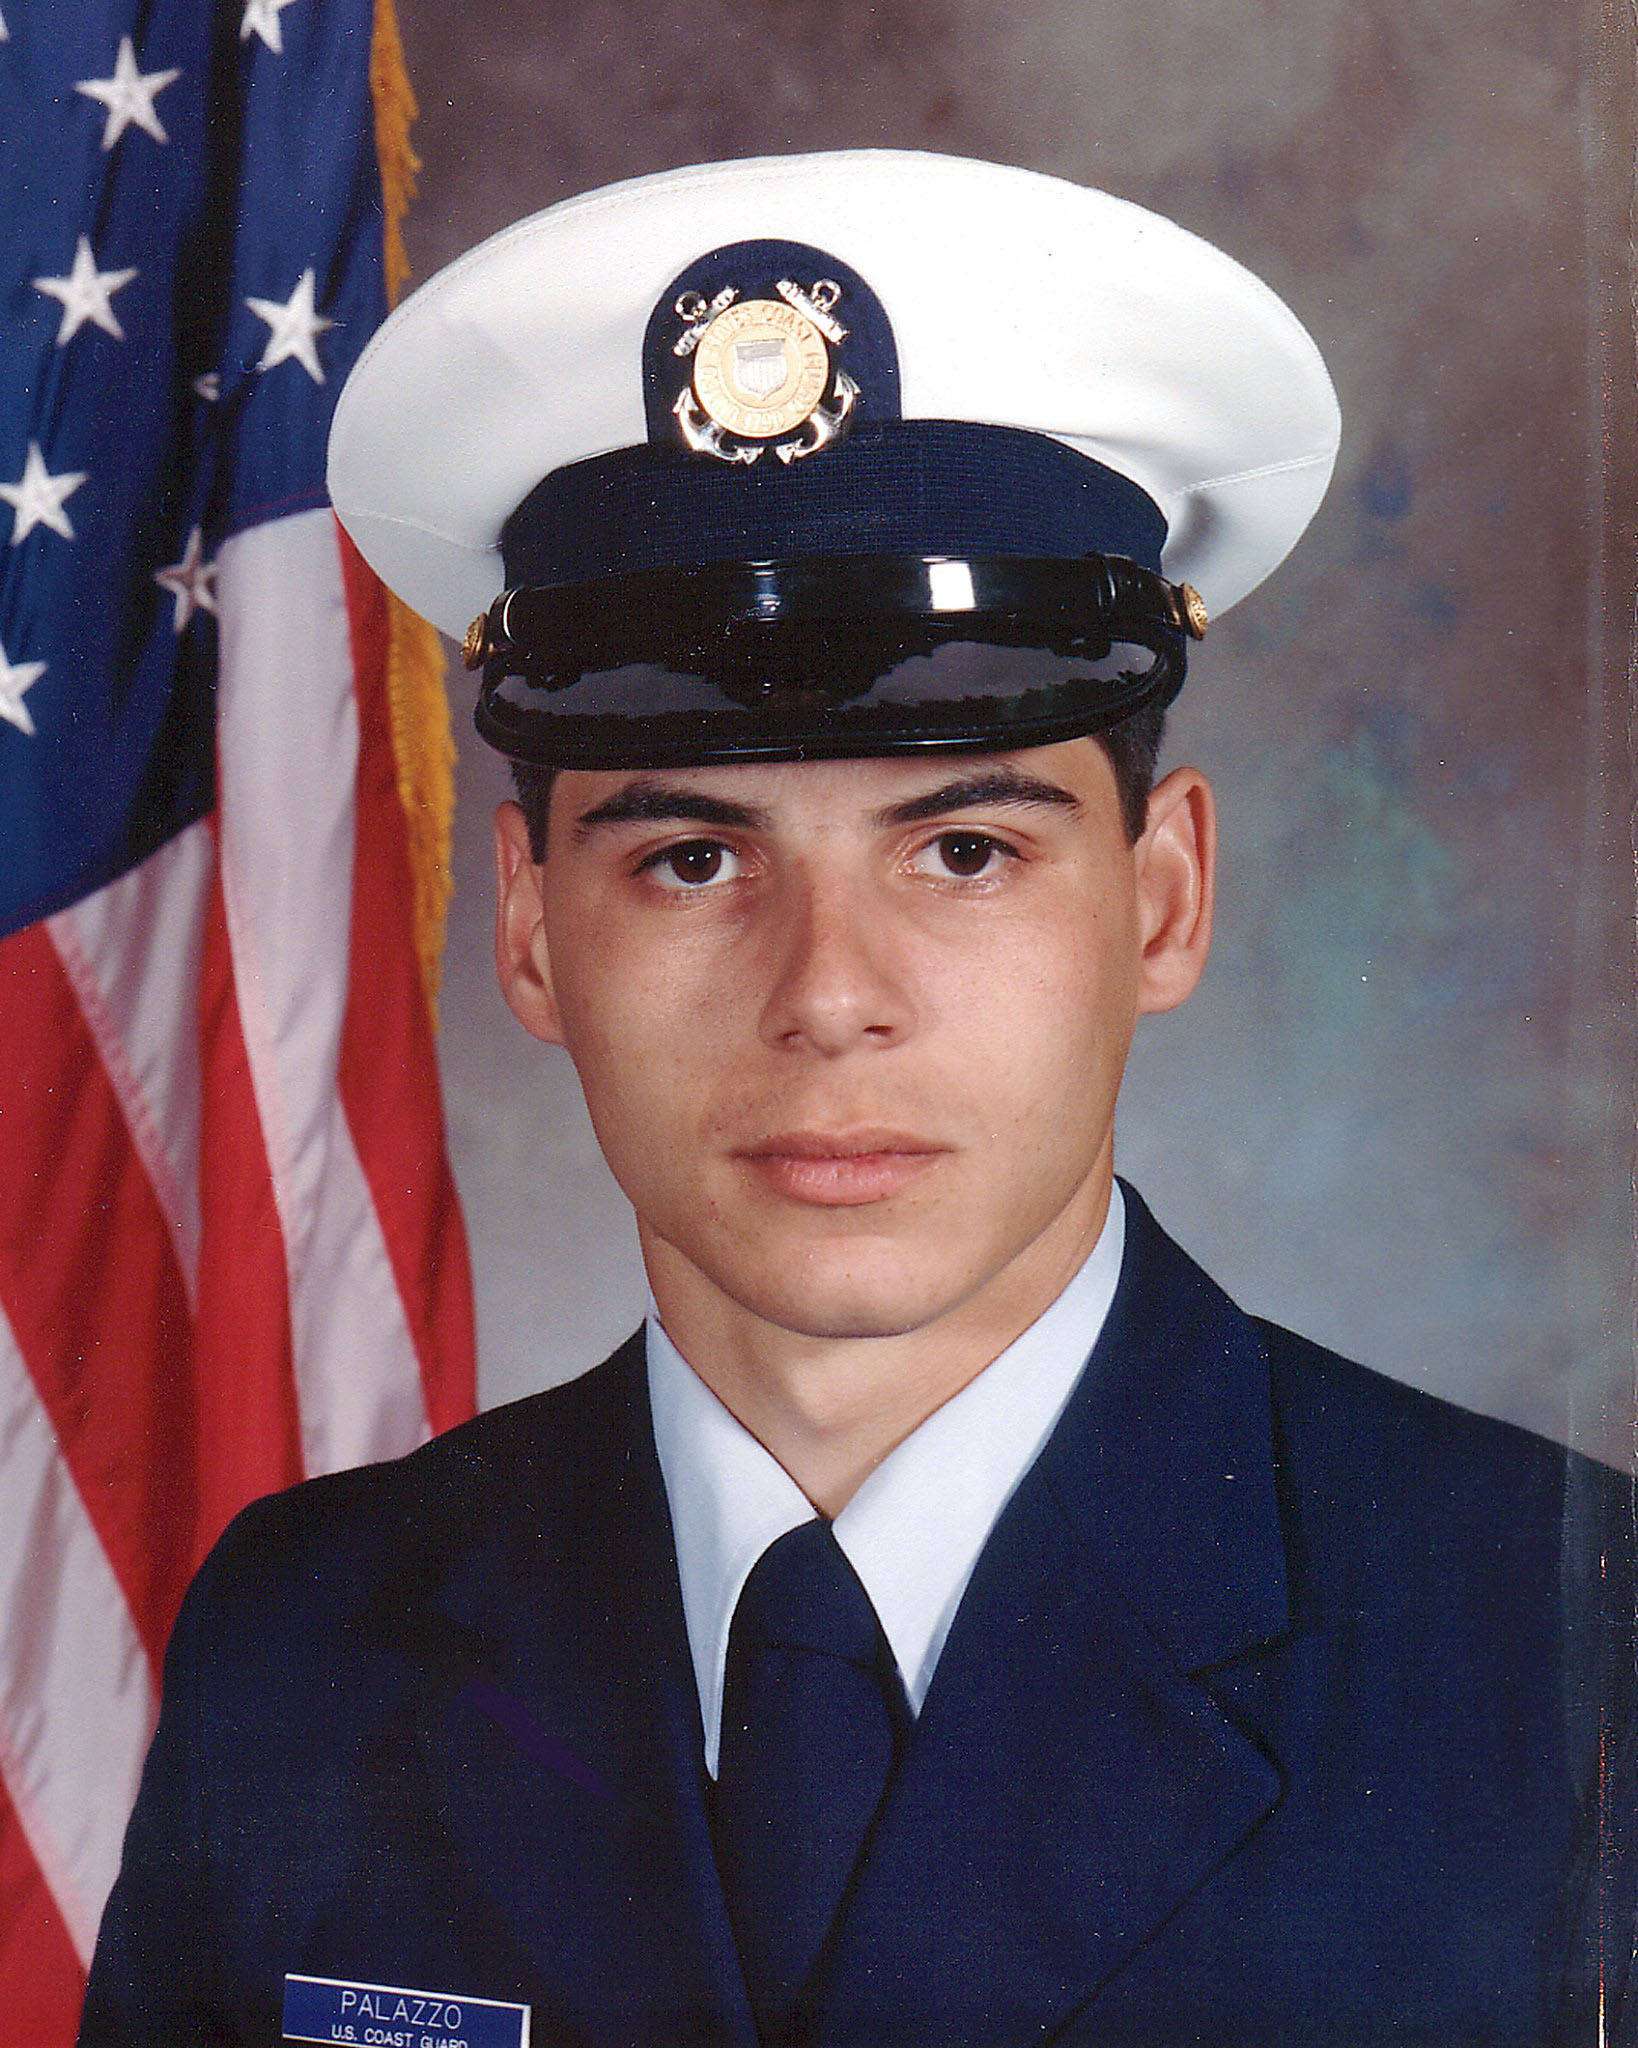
pixel 914 1529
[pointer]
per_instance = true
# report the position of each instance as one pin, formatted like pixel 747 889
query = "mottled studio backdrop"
pixel 1398 1114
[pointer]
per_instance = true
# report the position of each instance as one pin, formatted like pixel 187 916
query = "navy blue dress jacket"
pixel 1285 1705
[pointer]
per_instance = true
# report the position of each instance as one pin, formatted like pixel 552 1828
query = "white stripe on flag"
pixel 77 1700
pixel 131 954
pixel 287 745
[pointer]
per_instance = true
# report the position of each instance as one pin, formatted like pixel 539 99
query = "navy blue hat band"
pixel 915 486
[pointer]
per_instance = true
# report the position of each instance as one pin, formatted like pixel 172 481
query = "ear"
pixel 522 963
pixel 1176 879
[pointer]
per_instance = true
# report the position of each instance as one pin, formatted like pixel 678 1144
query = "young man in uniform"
pixel 950 1620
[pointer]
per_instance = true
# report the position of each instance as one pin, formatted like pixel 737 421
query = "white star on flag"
pixel 15 678
pixel 262 19
pixel 37 497
pixel 129 96
pixel 192 581
pixel 209 386
pixel 87 294
pixel 5 33
pixel 295 328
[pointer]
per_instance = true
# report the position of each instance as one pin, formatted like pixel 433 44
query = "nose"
pixel 839 980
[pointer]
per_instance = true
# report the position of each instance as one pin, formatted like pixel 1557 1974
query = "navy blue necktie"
pixel 813 1720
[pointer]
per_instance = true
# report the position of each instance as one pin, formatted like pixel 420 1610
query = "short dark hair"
pixel 1133 747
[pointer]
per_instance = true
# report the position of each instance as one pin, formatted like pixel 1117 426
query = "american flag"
pixel 229 1248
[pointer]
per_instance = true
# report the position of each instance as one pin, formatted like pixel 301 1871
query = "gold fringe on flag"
pixel 423 746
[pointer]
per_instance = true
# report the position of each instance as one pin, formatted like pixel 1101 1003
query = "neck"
pixel 830 1409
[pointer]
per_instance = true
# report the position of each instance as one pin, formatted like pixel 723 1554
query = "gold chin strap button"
pixel 1196 618
pixel 477 647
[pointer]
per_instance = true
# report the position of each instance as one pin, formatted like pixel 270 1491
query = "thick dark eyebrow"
pixel 645 802
pixel 1008 786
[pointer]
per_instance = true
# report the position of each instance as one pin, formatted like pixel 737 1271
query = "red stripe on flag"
pixel 249 1429
pixel 388 1069
pixel 41 1982
pixel 90 1284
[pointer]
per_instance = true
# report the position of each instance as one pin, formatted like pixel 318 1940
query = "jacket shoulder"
pixel 1408 1487
pixel 1384 1426
pixel 330 1542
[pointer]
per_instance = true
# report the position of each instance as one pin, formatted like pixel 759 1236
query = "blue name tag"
pixel 390 2016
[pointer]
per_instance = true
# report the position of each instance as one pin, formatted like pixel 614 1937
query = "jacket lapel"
pixel 562 1734
pixel 1071 1781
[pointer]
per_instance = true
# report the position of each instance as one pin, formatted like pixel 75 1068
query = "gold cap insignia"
pixel 760 369
pixel 762 374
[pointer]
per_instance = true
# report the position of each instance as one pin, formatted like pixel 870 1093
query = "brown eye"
pixel 698 862
pixel 966 854
pixel 693 863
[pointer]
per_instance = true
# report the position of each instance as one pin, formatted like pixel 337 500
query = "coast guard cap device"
pixel 829 455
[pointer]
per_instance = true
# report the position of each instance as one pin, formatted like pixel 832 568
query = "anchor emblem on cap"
pixel 762 373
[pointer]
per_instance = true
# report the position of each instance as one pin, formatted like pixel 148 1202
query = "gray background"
pixel 1397 1114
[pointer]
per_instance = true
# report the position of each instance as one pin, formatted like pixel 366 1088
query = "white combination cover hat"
pixel 830 454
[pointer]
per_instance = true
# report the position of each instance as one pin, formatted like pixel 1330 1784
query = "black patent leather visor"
pixel 825 658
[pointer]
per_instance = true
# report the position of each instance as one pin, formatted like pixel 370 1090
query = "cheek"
pixel 1061 1002
pixel 640 1030
pixel 608 988
pixel 637 1096
pixel 1058 1044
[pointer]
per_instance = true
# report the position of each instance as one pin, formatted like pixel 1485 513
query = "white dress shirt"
pixel 914 1529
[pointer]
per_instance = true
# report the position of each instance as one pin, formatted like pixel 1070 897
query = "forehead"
pixel 864 793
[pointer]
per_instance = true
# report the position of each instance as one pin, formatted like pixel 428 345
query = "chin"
pixel 871 1300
